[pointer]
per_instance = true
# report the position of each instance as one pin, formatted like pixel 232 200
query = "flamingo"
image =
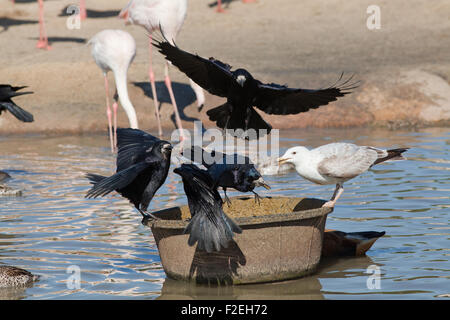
pixel 115 50
pixel 83 12
pixel 43 40
pixel 167 15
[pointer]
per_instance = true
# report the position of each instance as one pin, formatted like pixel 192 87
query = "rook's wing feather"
pixel 212 75
pixel 133 145
pixel 277 99
pixel 117 181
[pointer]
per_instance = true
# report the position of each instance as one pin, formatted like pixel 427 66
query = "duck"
pixel 4 176
pixel 339 243
pixel 11 276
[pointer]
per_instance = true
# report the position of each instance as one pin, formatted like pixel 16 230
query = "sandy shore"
pixel 404 66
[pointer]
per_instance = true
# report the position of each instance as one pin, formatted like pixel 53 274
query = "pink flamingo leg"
pixel 219 7
pixel 152 84
pixel 43 40
pixel 115 107
pixel 108 113
pixel 83 13
pixel 172 98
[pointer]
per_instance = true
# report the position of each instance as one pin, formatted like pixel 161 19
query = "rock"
pixel 407 99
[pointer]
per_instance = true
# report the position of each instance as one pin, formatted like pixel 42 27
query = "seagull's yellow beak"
pixel 283 160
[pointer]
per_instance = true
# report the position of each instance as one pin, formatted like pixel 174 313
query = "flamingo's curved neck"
pixel 120 78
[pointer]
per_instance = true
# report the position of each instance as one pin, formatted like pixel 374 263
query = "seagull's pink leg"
pixel 248 1
pixel 219 7
pixel 152 84
pixel 337 193
pixel 174 103
pixel 43 40
pixel 83 13
pixel 108 113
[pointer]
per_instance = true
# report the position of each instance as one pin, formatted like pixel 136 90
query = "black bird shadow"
pixel 217 268
pixel 184 96
pixel 90 13
pixel 64 39
pixel 226 3
pixel 25 1
pixel 6 22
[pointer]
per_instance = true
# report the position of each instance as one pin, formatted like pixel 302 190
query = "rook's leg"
pixel 257 198
pixel 227 200
pixel 147 215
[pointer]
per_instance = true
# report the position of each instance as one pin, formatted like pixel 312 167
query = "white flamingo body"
pixel 114 50
pixel 169 15
pixel 151 13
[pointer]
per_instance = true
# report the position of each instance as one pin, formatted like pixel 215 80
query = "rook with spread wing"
pixel 243 92
pixel 143 163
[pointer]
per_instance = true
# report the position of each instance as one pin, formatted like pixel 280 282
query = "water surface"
pixel 52 227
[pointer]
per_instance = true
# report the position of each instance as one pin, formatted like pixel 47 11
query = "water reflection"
pixel 53 227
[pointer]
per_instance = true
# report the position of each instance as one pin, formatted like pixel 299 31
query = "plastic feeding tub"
pixel 281 239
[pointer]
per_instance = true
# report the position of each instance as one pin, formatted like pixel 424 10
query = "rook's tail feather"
pixel 220 114
pixel 211 234
pixel 226 120
pixel 18 112
pixel 94 178
pixel 117 181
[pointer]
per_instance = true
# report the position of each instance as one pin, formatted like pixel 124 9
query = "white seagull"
pixel 115 50
pixel 167 15
pixel 336 163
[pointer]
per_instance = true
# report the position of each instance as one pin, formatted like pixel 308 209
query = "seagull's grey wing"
pixel 278 99
pixel 345 160
pixel 212 75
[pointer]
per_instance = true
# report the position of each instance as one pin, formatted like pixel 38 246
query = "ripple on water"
pixel 53 227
